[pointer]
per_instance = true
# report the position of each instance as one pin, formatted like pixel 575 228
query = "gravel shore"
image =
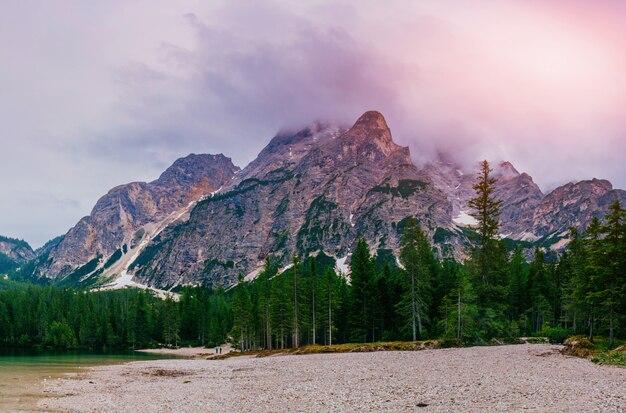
pixel 189 352
pixel 534 378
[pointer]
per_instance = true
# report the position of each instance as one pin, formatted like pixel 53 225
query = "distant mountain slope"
pixel 128 214
pixel 14 253
pixel 572 205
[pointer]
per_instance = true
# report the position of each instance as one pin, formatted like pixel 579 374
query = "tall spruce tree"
pixel 264 286
pixel 614 280
pixel 488 262
pixel 486 210
pixel 242 314
pixel 361 276
pixel 329 303
pixel 281 309
pixel 296 274
pixel 415 256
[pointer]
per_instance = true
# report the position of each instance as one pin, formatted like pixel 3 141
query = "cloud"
pixel 100 94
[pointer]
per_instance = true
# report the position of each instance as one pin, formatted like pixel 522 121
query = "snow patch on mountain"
pixel 465 219
pixel 341 266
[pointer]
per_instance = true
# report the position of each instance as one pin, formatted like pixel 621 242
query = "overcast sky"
pixel 96 94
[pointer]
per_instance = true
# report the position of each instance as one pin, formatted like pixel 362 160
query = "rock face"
pixel 120 216
pixel 573 205
pixel 527 214
pixel 13 253
pixel 519 194
pixel 316 190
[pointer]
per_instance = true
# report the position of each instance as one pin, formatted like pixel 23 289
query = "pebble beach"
pixel 533 378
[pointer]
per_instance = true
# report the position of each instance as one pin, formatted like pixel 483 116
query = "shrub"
pixel 556 335
pixel 578 346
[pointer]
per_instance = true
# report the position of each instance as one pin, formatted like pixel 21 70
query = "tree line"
pixel 35 316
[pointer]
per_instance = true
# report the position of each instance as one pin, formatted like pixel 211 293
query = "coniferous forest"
pixel 499 291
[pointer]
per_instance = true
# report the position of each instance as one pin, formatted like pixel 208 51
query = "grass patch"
pixel 346 348
pixel 598 350
pixel 378 346
pixel 610 358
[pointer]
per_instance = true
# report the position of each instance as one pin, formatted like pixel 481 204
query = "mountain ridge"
pixel 204 221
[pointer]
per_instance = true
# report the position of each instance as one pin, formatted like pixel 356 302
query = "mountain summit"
pixel 370 135
pixel 131 214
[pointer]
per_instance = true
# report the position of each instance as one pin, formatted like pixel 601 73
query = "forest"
pixel 64 318
pixel 497 292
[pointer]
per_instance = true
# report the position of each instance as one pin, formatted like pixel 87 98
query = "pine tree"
pixel 415 254
pixel 296 274
pixel 593 272
pixel 486 210
pixel 281 309
pixel 615 273
pixel 488 262
pixel 518 278
pixel 264 285
pixel 171 322
pixel 242 306
pixel 361 276
pixel 458 309
pixel 313 298
pixel 329 302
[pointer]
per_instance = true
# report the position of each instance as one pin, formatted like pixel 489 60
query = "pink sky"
pixel 96 94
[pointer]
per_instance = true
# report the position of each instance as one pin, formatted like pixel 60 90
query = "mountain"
pixel 14 253
pixel 572 205
pixel 130 215
pixel 527 214
pixel 313 191
pixel 519 193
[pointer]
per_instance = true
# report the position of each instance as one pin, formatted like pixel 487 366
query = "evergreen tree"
pixel 458 309
pixel 594 273
pixel 614 280
pixel 264 285
pixel 171 322
pixel 486 210
pixel 329 303
pixel 361 276
pixel 415 256
pixel 296 274
pixel 488 262
pixel 242 314
pixel 281 309
pixel 518 279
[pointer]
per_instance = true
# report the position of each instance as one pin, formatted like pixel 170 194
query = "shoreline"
pixel 189 352
pixel 472 379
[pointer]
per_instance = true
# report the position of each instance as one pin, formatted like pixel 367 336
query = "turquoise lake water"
pixel 23 372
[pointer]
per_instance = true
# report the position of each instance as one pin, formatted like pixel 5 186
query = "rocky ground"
pixel 533 378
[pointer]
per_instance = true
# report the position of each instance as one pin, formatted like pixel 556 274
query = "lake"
pixel 22 372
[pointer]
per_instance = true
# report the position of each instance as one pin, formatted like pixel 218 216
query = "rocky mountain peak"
pixel 194 168
pixel 286 149
pixel 589 187
pixel 371 133
pixel 13 253
pixel 135 212
pixel 506 170
pixel 600 185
